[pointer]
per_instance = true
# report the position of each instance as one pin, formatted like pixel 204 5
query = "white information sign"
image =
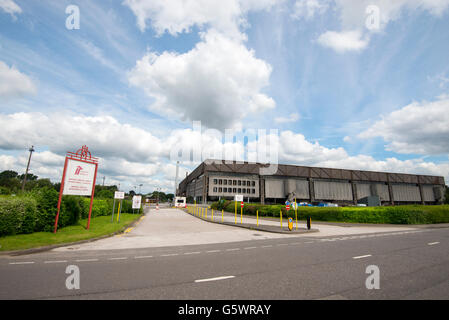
pixel 119 195
pixel 79 178
pixel 238 197
pixel 137 202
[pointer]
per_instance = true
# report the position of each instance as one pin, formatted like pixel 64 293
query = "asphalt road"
pixel 413 265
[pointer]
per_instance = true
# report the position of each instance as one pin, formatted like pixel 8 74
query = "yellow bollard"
pixel 257 217
pixel 296 214
pixel 118 212
pixel 212 214
pixel 241 215
pixel 235 212
pixel 281 219
pixel 222 215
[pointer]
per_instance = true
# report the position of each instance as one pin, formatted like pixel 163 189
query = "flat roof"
pixel 288 170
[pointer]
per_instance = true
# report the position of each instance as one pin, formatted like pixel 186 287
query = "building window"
pixel 225 182
pixel 220 190
pixel 243 190
pixel 235 182
pixel 254 191
pixel 249 191
pixel 240 182
pixel 234 190
pixel 225 190
pixel 240 190
pixel 215 181
pixel 215 189
pixel 253 183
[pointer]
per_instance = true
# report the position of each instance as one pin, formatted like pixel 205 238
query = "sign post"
pixel 78 178
pixel 237 198
pixel 118 195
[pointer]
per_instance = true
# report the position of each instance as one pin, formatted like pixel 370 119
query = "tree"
pixel 8 174
pixel 447 195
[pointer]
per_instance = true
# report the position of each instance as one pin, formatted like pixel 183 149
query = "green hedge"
pixel 411 214
pixel 36 211
pixel 17 215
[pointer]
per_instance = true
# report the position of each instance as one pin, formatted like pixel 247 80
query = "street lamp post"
pixel 31 150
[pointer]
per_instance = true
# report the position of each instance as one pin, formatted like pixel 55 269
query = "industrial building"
pixel 213 180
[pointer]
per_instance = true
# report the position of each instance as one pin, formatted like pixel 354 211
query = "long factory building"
pixel 213 180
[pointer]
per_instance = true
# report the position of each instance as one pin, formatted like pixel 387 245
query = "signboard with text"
pixel 137 202
pixel 79 178
pixel 119 195
pixel 238 198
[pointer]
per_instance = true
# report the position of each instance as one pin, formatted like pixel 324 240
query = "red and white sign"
pixel 287 207
pixel 79 178
pixel 137 202
pixel 242 204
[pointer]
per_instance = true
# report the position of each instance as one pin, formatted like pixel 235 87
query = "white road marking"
pixel 433 243
pixel 87 260
pixel 213 251
pixel 249 248
pixel 61 261
pixel 234 249
pixel 269 246
pixel 361 257
pixel 17 263
pixel 169 255
pixel 143 257
pixel 120 258
pixel 187 253
pixel 215 279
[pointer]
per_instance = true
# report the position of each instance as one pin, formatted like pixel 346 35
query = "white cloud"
pixel 307 9
pixel 294 117
pixel 353 16
pixel 13 83
pixel 10 7
pixel 219 82
pixel 174 16
pixel 418 128
pixel 344 41
pixel 98 55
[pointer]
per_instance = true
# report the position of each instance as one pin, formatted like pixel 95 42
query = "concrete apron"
pixel 174 227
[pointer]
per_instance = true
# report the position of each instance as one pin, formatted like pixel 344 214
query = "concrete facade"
pixel 213 180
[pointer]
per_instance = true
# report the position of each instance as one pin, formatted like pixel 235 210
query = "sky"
pixel 349 84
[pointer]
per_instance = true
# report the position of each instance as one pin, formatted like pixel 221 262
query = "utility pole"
pixel 103 180
pixel 176 179
pixel 31 150
pixel 140 188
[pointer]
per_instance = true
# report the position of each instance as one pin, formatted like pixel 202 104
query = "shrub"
pixel 17 215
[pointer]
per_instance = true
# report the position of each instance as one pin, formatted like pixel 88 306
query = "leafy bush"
pixel 410 214
pixel 17 215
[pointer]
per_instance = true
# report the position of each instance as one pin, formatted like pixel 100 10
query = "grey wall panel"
pixel 363 190
pixel 302 189
pixel 428 194
pixel 274 188
pixel 406 192
pixel 327 190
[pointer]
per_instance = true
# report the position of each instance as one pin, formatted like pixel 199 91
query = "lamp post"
pixel 31 150
pixel 140 188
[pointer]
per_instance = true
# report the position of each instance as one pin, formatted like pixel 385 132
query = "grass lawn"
pixel 99 226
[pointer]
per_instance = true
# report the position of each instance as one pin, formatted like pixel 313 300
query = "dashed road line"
pixel 433 243
pixel 214 279
pixel 170 255
pixel 19 263
pixel 118 258
pixel 189 253
pixel 87 260
pixel 143 257
pixel 60 261
pixel 361 257
pixel 213 251
pixel 233 249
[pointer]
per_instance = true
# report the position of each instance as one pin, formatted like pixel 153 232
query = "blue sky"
pixel 137 73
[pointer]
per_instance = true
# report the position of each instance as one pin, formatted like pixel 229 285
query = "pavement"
pixel 172 255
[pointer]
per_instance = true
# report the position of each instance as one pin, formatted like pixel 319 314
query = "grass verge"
pixel 99 226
